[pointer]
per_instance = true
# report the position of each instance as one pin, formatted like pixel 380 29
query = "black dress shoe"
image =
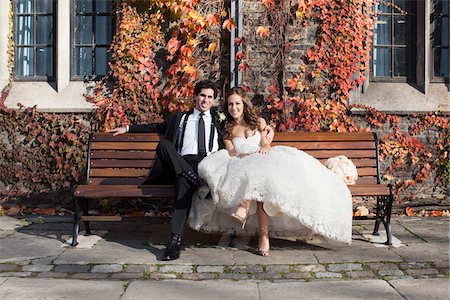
pixel 172 252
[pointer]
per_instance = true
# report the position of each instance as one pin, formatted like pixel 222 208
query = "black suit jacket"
pixel 170 130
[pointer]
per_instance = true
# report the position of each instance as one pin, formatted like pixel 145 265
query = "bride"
pixel 298 193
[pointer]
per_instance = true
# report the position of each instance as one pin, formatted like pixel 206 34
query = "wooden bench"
pixel 118 166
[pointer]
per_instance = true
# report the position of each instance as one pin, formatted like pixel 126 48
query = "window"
pixel 393 41
pixel 439 39
pixel 34 23
pixel 91 37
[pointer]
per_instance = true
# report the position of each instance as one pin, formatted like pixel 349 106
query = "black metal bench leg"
pixel 379 216
pixel 87 225
pixel 388 211
pixel 76 221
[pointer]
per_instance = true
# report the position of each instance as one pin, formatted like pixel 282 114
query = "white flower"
pixel 221 116
pixel 343 167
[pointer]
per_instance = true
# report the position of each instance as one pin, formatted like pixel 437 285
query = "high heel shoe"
pixel 263 252
pixel 241 220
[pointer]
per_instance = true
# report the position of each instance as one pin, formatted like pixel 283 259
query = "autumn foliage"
pixel 161 48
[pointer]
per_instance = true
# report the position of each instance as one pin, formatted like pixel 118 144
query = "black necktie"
pixel 201 136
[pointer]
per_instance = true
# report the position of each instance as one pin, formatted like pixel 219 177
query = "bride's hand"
pixel 264 150
pixel 240 155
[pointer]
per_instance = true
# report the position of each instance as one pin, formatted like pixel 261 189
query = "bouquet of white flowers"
pixel 343 167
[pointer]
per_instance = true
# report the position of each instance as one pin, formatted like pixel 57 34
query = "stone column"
pixel 62 47
pixel 4 31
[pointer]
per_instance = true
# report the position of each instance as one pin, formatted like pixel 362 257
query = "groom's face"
pixel 204 100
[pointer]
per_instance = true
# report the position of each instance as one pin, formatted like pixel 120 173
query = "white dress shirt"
pixel 190 143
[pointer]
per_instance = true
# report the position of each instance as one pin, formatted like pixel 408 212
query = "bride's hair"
pixel 250 116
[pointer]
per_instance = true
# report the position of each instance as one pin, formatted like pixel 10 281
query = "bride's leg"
pixel 263 219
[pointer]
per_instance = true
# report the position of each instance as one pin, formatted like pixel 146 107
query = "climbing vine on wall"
pixel 315 98
pixel 155 58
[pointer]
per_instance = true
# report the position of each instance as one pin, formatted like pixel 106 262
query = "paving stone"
pixel 247 269
pixel 126 276
pixel 344 267
pixel 52 275
pixel 234 276
pixel 328 290
pixel 113 268
pixel 176 269
pixel 299 275
pixel 415 265
pixel 441 264
pixel 90 276
pixel 278 268
pixel 391 273
pixel 328 275
pixel 397 277
pixel 158 275
pixel 140 268
pixel 37 268
pixel 190 289
pixel 309 268
pixel 199 276
pixel 52 289
pixel 72 268
pixel 382 266
pixel 361 274
pixel 210 269
pixel 43 261
pixel 8 267
pixel 429 289
pixel 267 276
pixel 15 274
pixel 417 272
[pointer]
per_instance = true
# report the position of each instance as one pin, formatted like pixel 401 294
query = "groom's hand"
pixel 118 130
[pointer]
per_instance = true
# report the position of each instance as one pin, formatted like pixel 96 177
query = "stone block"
pixel 344 267
pixel 110 268
pixel 140 268
pixel 391 272
pixel 210 269
pixel 7 267
pixel 90 276
pixel 418 272
pixel 72 268
pixel 176 269
pixel 308 268
pixel 37 268
pixel 299 275
pixel 199 276
pixel 328 275
pixel 52 275
pixel 360 274
pixel 247 269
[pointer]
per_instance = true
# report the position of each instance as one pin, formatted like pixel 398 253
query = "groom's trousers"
pixel 174 165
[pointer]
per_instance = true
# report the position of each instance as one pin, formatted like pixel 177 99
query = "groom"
pixel 189 137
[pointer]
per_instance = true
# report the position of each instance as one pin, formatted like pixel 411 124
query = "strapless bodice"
pixel 247 145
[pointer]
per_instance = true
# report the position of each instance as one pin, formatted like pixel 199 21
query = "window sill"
pixel 402 98
pixel 47 99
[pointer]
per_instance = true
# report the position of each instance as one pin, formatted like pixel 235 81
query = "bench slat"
pixel 124 145
pixel 369 190
pixel 323 136
pixel 116 181
pixel 327 145
pixel 125 191
pixel 359 163
pixel 122 163
pixel 129 137
pixel 351 154
pixel 123 154
pixel 119 173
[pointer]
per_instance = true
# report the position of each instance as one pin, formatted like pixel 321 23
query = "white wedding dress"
pixel 301 196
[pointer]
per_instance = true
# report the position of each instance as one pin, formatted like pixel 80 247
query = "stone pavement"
pixel 123 263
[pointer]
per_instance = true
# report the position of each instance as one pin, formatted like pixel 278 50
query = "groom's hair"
pixel 205 84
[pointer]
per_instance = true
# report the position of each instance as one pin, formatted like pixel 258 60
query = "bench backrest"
pixel 128 158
